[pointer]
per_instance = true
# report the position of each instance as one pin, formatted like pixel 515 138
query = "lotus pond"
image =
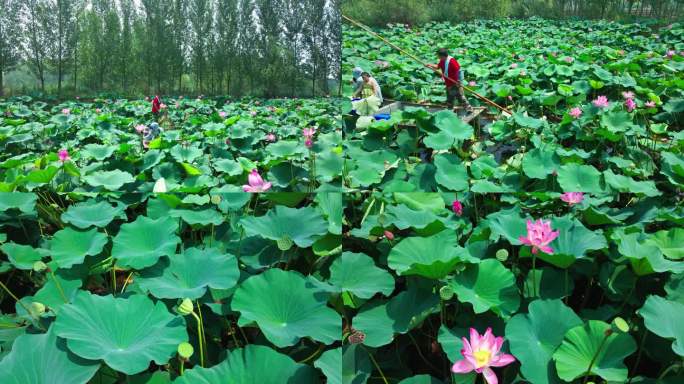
pixel 542 247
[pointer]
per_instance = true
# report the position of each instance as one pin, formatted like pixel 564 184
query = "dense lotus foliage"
pixel 560 227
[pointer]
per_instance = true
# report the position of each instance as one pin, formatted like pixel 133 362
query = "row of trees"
pixel 259 47
pixel 381 12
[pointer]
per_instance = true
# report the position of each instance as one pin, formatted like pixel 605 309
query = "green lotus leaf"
pixel 69 246
pixel 330 363
pixel 357 273
pixel 252 364
pixel 626 184
pixel 92 213
pixel 670 242
pixel 404 217
pixel 585 344
pixel 573 242
pixel 23 256
pixel 547 283
pixel 381 320
pixel 25 202
pixel 451 173
pixel 573 177
pixel 534 337
pixel 539 163
pixel 645 256
pixel 664 318
pixel 141 243
pixel 98 151
pixel 58 290
pixel 127 333
pixel 44 359
pixel 229 167
pixel 111 180
pixel 507 223
pixel 301 225
pixel 286 307
pixel 201 216
pixel 331 205
pixel 421 379
pixel 487 286
pixel 355 363
pixel 185 154
pixel 433 257
pixel 190 274
pixel 421 201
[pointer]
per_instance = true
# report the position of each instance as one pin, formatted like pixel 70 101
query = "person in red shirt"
pixel 451 73
pixel 156 105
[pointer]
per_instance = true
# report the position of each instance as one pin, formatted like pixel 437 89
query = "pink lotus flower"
pixel 98 110
pixel 539 235
pixel 650 104
pixel 253 113
pixel 228 142
pixel 66 111
pixel 670 54
pixel 457 207
pixel 271 137
pixel 630 104
pixel 163 106
pixel 568 59
pixel 576 112
pixel 308 143
pixel 482 353
pixel 510 97
pixel 601 102
pixel 222 114
pixel 308 132
pixel 628 95
pixel 63 155
pixel 256 183
pixel 472 83
pixel 140 128
pixel 572 198
pixel 514 65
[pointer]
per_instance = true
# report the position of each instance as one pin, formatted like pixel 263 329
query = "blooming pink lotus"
pixel 271 137
pixel 482 353
pixel 98 110
pixel 628 95
pixel 514 65
pixel 256 183
pixel 572 198
pixel 309 132
pixel 63 155
pixel 670 54
pixel 601 102
pixel 576 112
pixel 472 83
pixel 140 128
pixel 457 207
pixel 253 113
pixel 66 111
pixel 308 143
pixel 568 59
pixel 223 114
pixel 630 104
pixel 650 104
pixel 539 236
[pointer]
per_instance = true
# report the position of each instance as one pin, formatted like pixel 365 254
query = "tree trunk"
pixel 2 84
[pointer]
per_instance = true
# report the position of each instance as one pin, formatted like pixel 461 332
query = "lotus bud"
pixel 502 255
pixel 39 266
pixel 389 235
pixel 37 308
pixel 446 293
pixel 186 307
pixel 284 243
pixel 185 350
pixel 620 325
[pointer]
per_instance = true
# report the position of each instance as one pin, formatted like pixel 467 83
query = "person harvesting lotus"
pixel 451 73
pixel 369 87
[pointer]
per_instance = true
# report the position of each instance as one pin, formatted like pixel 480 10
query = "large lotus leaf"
pixel 487 286
pixel 536 335
pixel 286 307
pixel 616 123
pixel 579 178
pixel 23 256
pixel 58 290
pixel 645 256
pixel 355 365
pixel 433 257
pixel 664 318
pixel 508 223
pixel 44 359
pixel 330 363
pixel 252 364
pixel 201 217
pixel 670 243
pixel 111 180
pixel 286 148
pixel 451 173
pixel 302 225
pixel 185 154
pixel 141 243
pixel 626 184
pixel 404 217
pixel 421 201
pixel 230 167
pixel 539 163
pixel 92 213
pixel 573 242
pixel 331 205
pixel 379 321
pixel 357 273
pixel 69 246
pixel 190 273
pixel 98 151
pixel 25 202
pixel 672 167
pixel 585 344
pixel 127 333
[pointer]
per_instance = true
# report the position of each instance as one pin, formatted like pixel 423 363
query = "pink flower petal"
pixel 462 366
pixel 490 376
pixel 502 360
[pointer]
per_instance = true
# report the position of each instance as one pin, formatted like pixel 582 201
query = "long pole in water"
pixel 437 71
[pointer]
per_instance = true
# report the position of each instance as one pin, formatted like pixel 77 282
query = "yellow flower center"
pixel 482 357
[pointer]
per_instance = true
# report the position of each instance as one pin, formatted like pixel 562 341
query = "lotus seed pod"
pixel 185 350
pixel 502 255
pixel 37 308
pixel 215 199
pixel 619 324
pixel 446 293
pixel 284 243
pixel 39 266
pixel 186 307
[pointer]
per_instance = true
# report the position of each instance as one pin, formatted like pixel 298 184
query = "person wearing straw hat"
pixel 357 81
pixel 369 87
pixel 453 78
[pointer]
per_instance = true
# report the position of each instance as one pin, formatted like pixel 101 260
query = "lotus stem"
pixel 670 368
pixel 182 366
pixel 534 274
pixel 113 274
pixel 316 352
pixel 593 359
pixel 4 287
pixel 199 337
pixel 375 363
pixel 128 280
pixel 58 285
pixel 367 211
